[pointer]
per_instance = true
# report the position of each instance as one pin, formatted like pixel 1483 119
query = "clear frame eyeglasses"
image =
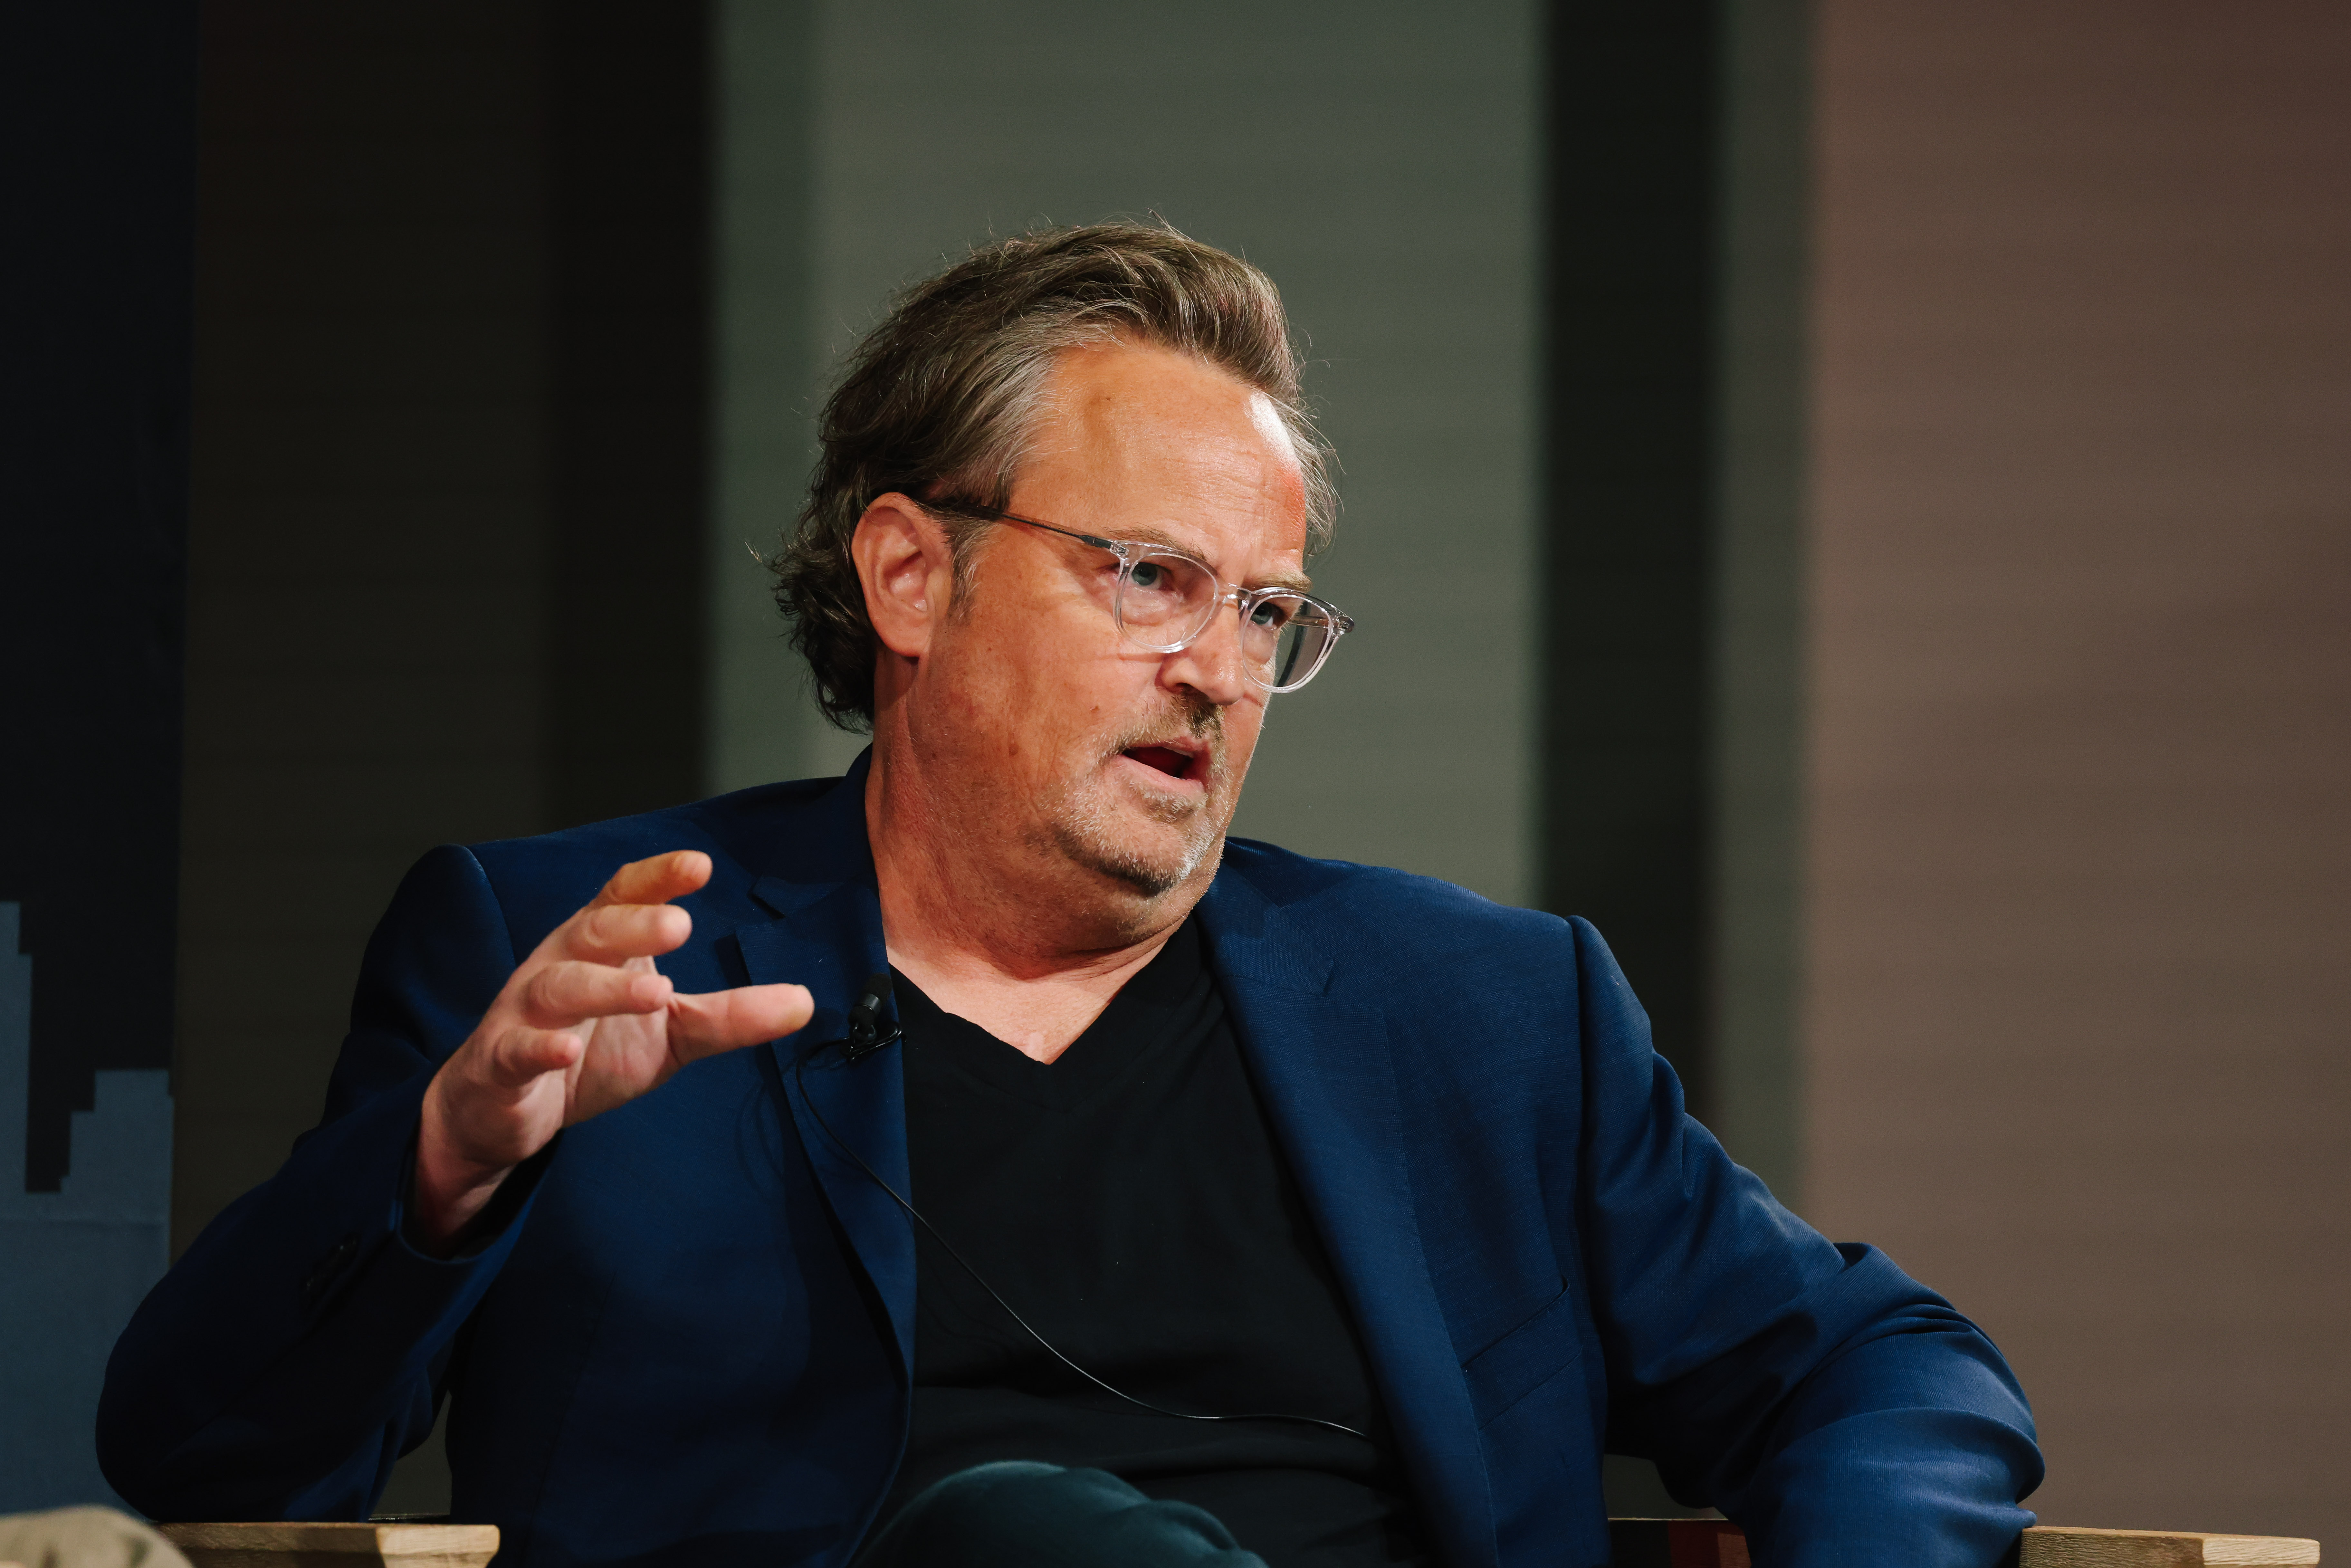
pixel 1165 599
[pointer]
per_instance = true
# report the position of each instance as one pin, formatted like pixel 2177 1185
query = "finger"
pixel 713 1021
pixel 520 1055
pixel 615 933
pixel 656 879
pixel 557 996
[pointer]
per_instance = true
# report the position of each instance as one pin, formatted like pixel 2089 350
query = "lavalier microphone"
pixel 866 1033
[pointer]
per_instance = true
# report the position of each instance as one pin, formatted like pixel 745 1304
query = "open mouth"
pixel 1167 759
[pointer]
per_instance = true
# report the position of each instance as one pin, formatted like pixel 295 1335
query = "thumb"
pixel 704 1024
pixel 522 1055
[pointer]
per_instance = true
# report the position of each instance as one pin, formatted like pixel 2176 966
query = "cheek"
pixel 1244 724
pixel 1038 698
pixel 1039 679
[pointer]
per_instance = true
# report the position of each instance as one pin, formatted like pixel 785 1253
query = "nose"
pixel 1212 664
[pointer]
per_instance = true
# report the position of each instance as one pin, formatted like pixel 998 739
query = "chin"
pixel 1152 870
pixel 1149 858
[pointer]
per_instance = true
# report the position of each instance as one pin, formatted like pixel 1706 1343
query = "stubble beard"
pixel 1084 824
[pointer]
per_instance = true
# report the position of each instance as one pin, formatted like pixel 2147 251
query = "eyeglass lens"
pixel 1166 599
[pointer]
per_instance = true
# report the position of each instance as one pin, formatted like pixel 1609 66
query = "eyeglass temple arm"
pixel 973 508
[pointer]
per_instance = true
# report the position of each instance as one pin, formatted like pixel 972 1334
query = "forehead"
pixel 1146 443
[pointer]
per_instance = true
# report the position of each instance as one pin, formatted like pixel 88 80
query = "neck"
pixel 1013 948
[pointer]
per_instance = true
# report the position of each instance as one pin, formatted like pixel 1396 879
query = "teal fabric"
pixel 1020 1514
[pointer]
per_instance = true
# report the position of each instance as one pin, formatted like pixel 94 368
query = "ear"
pixel 908 573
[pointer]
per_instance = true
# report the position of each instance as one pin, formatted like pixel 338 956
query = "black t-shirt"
pixel 1129 1201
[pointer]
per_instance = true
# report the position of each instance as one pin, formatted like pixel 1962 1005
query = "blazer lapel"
pixel 1323 1066
pixel 828 938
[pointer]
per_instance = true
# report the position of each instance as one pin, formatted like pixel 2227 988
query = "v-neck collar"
pixel 1158 1007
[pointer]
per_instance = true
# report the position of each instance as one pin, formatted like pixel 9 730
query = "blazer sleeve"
pixel 298 1348
pixel 1835 1407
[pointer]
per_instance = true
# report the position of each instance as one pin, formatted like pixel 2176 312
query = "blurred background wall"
pixel 2077 1007
pixel 1851 497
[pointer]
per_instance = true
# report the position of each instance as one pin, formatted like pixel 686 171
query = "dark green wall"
pixel 1630 462
pixel 1673 424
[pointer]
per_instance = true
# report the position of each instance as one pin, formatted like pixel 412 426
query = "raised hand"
pixel 584 1024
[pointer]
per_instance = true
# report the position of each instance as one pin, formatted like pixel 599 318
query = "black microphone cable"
pixel 866 1037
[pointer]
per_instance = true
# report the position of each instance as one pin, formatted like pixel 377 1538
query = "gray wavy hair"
pixel 940 399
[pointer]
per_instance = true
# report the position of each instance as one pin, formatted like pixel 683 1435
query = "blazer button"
pixel 331 1269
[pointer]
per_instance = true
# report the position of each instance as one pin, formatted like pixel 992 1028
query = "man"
pixel 1217 1206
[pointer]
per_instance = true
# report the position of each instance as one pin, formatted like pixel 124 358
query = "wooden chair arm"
pixel 1636 1543
pixel 2063 1546
pixel 1718 1544
pixel 377 1543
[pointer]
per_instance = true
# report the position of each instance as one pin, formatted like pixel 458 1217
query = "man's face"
pixel 1101 762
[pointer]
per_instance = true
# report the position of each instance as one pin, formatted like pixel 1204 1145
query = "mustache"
pixel 1197 718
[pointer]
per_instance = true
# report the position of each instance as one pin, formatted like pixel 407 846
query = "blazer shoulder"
pixel 785 829
pixel 1366 914
pixel 721 822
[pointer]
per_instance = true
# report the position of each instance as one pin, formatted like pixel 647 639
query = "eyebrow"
pixel 1297 582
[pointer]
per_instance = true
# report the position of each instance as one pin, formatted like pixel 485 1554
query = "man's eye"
pixel 1150 574
pixel 1270 613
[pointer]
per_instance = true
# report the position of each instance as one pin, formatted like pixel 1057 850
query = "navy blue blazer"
pixel 688 1339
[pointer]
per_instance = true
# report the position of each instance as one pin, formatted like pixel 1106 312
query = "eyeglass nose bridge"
pixel 1243 599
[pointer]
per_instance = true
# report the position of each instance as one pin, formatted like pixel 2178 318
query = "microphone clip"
pixel 858 1047
pixel 867 1031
